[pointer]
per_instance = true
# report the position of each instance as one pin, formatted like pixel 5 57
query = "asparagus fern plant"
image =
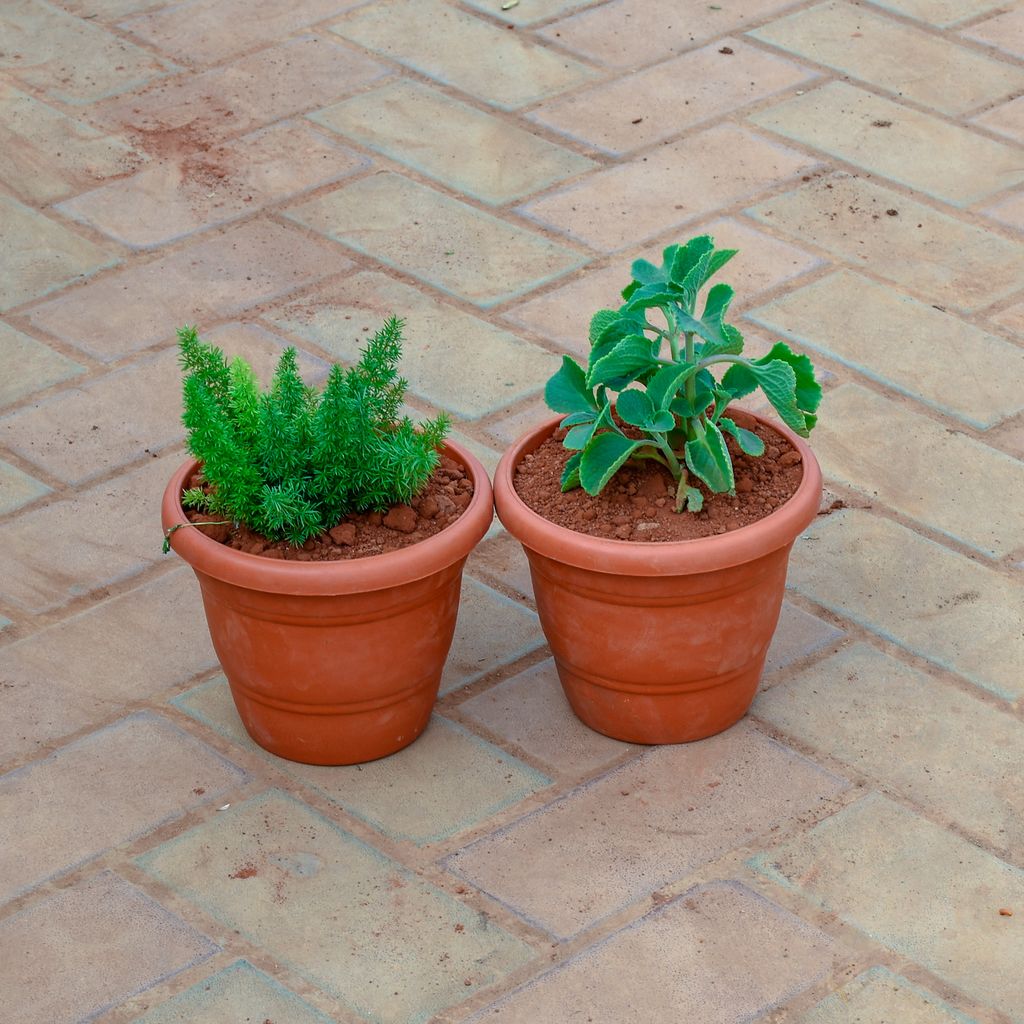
pixel 678 406
pixel 290 462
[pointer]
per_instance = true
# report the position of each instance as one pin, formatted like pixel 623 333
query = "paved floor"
pixel 289 171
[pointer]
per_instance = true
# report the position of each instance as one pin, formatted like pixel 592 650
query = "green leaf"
pixel 730 343
pixel 567 390
pixel 575 418
pixel 716 305
pixel 662 421
pixel 705 394
pixel 651 296
pixel 748 441
pixel 577 438
pixel 571 473
pixel 708 458
pixel 601 320
pixel 719 258
pixel 629 357
pixel 634 407
pixel 644 272
pixel 602 458
pixel 694 499
pixel 665 384
pixel 777 378
pixel 808 390
pixel 686 257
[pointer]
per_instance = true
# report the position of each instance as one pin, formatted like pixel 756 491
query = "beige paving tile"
pixel 130 413
pixel 1007 119
pixel 916 888
pixel 460 146
pixel 1010 434
pixel 849 123
pixel 29 365
pixel 530 711
pixel 1005 31
pixel 293 882
pixel 1011 318
pixel 495 366
pixel 212 278
pixel 1009 210
pixel 40 255
pixel 626 204
pixel 239 993
pixel 799 634
pixel 903 343
pixel 648 834
pixel 941 12
pixel 49 953
pixel 943 259
pixel 447 243
pixel 172 200
pixel 880 995
pixel 633 33
pixel 955 612
pixel 857 444
pixel 660 102
pixel 101 791
pixel 211 31
pixel 563 314
pixel 46 155
pixel 533 12
pixel 717 954
pixel 85 668
pixel 107 9
pixel 946 752
pixel 69 58
pixel 297 75
pixel 456 48
pixel 17 488
pixel 502 557
pixel 894 56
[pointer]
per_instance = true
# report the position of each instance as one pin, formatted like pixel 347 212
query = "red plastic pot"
pixel 658 643
pixel 334 662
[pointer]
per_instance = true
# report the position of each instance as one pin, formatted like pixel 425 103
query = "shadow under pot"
pixel 658 642
pixel 334 662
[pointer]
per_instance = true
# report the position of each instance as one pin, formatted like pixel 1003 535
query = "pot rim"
pixel 344 576
pixel 653 558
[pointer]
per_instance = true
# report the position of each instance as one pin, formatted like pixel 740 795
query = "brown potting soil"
pixel 639 502
pixel 446 496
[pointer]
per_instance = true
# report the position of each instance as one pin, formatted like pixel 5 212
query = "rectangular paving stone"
pixel 496 368
pixel 916 888
pixel 408 796
pixel 660 817
pixel 450 141
pixel 83 669
pixel 942 13
pixel 40 255
pixel 17 488
pixel 944 751
pixel 239 994
pixel 955 612
pixel 627 204
pixel 880 995
pixel 1005 31
pixel 492 631
pixel 877 446
pixel 449 244
pixel 903 343
pixel 172 200
pixel 297 75
pixel 718 954
pixel 101 791
pixel 211 279
pixel 535 11
pixel 50 953
pixel 563 314
pixel 46 155
pixel 211 31
pixel 848 123
pixel 29 365
pixel 605 116
pixel 456 48
pixel 530 712
pixel 907 61
pixel 314 897
pixel 944 259
pixel 633 33
pixel 40 39
pixel 798 635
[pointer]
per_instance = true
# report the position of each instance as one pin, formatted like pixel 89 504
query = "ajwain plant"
pixel 290 462
pixel 679 406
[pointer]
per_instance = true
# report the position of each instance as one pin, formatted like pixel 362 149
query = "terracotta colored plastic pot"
pixel 658 643
pixel 334 662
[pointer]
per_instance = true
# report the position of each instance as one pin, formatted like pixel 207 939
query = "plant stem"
pixel 684 480
pixel 671 459
pixel 691 383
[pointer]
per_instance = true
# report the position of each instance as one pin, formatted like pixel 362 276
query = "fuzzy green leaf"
pixel 778 380
pixel 686 257
pixel 708 458
pixel 631 356
pixel 634 407
pixel 571 473
pixel 665 384
pixel 662 421
pixel 730 342
pixel 748 441
pixel 693 499
pixel 600 321
pixel 576 418
pixel 602 458
pixel 567 390
pixel 808 390
pixel 576 439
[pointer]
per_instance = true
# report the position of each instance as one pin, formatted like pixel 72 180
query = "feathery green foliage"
pixel 679 407
pixel 292 461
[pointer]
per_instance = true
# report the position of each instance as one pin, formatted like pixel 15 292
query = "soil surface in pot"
pixel 639 503
pixel 360 535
